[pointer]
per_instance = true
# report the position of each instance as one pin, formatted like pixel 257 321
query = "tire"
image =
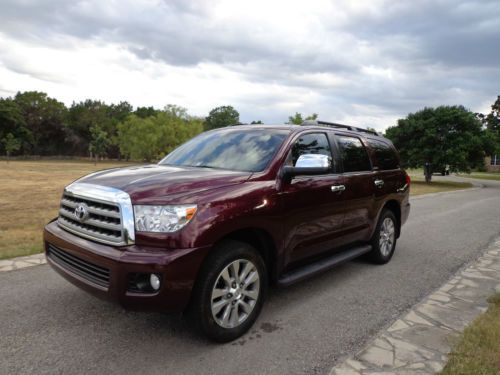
pixel 383 243
pixel 240 304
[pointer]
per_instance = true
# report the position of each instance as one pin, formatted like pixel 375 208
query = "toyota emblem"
pixel 81 212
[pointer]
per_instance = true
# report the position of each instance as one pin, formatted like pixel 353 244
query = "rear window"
pixel 386 156
pixel 353 154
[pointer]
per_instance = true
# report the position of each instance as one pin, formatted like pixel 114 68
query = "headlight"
pixel 163 219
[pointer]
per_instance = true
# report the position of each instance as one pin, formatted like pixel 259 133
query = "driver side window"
pixel 311 143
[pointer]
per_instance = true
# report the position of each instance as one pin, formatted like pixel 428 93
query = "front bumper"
pixel 178 269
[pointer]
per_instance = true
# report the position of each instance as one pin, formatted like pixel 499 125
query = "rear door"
pixel 388 176
pixel 313 210
pixel 359 188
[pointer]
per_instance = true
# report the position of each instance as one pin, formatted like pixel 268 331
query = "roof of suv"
pixel 316 125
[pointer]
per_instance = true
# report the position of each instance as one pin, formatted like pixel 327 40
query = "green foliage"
pixel 144 112
pixel 297 119
pixel 12 121
pixel 222 116
pixel 443 135
pixel 492 124
pixel 45 118
pixel 11 144
pixel 153 137
pixel 99 142
pixel 258 122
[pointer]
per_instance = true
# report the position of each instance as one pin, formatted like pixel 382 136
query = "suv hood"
pixel 152 183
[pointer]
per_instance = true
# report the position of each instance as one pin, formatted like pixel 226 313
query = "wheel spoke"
pixel 217 306
pixel 250 293
pixel 235 270
pixel 226 314
pixel 234 316
pixel 225 276
pixel 248 267
pixel 247 309
pixel 216 293
pixel 251 278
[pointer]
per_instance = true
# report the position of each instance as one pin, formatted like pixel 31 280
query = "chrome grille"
pixel 103 221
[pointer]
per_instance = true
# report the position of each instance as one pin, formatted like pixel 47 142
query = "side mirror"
pixel 307 165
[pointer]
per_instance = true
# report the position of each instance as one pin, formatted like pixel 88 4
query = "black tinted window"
pixel 239 150
pixel 354 155
pixel 312 143
pixel 385 155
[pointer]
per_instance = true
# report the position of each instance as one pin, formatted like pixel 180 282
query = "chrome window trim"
pixel 106 194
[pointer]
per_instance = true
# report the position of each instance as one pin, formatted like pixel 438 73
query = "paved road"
pixel 49 326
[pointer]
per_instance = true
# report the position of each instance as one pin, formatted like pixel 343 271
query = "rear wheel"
pixel 384 239
pixel 229 292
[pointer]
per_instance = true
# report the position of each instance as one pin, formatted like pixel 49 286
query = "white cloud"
pixel 361 62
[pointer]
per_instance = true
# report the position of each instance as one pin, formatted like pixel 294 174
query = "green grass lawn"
pixel 478 350
pixel 483 175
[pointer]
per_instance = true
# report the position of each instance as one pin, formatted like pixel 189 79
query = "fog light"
pixel 154 280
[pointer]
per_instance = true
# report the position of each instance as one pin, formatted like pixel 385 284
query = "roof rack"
pixel 338 126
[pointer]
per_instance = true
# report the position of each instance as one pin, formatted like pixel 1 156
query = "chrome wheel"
pixel 235 293
pixel 387 235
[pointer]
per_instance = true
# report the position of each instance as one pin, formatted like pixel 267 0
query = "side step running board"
pixel 322 265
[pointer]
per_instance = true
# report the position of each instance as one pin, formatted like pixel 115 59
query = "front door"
pixel 313 204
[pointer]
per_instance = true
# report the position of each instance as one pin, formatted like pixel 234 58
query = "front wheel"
pixel 384 239
pixel 229 292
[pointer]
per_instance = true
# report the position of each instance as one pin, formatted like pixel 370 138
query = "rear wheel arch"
pixel 394 206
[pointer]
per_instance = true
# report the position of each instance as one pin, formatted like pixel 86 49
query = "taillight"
pixel 408 180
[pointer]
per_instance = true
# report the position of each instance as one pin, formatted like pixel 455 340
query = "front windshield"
pixel 239 150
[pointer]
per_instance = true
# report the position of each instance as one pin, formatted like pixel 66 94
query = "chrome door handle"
pixel 379 183
pixel 336 188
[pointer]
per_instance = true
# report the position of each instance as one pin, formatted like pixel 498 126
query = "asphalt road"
pixel 49 326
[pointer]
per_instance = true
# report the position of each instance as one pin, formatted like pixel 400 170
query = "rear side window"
pixel 385 154
pixel 312 143
pixel 353 154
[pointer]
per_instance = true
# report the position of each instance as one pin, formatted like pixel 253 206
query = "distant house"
pixel 492 163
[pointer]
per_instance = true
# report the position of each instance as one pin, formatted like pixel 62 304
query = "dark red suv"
pixel 228 213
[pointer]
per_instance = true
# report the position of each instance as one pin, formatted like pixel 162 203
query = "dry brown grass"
pixel 29 197
pixel 421 187
pixel 30 192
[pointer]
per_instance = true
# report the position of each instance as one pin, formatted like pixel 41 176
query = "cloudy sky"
pixel 360 62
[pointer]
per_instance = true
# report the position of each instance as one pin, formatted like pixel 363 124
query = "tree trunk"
pixel 8 157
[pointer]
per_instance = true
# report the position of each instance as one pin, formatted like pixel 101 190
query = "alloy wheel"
pixel 235 293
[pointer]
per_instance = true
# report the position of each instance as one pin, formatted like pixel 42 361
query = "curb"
pixel 420 341
pixel 22 262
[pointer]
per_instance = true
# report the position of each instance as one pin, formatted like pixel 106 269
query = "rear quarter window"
pixel 353 154
pixel 385 154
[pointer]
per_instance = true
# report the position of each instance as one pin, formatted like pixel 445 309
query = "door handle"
pixel 337 188
pixel 379 183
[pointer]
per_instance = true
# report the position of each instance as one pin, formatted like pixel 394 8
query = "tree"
pixel 11 144
pixel 492 124
pixel 12 121
pixel 258 122
pixel 99 142
pixel 46 120
pixel 297 119
pixel 444 135
pixel 144 112
pixel 153 137
pixel 222 116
